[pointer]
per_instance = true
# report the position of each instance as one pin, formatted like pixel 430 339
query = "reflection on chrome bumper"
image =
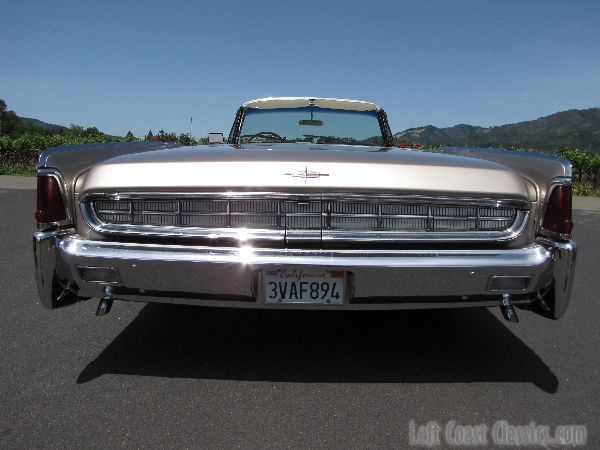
pixel 232 276
pixel 52 277
pixel 564 255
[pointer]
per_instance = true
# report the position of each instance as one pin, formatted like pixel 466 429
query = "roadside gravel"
pixel 16 182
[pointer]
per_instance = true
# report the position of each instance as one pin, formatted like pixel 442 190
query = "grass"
pixel 584 190
pixel 17 169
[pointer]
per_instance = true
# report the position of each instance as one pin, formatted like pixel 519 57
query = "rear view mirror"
pixel 215 138
pixel 314 123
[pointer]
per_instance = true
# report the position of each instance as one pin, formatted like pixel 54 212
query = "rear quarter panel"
pixel 538 170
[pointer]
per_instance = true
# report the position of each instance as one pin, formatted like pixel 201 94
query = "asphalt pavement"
pixel 150 376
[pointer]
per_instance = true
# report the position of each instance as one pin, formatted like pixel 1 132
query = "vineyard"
pixel 19 155
pixel 586 171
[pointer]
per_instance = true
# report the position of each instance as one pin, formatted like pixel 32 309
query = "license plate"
pixel 300 285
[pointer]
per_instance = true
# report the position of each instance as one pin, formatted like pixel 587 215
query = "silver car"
pixel 308 205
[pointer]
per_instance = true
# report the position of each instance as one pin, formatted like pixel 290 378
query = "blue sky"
pixel 125 65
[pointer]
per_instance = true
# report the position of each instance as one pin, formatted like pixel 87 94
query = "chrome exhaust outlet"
pixel 508 310
pixel 66 291
pixel 105 302
pixel 541 302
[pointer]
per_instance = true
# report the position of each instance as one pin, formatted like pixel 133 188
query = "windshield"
pixel 311 124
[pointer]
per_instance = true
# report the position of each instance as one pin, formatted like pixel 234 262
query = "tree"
pixel 10 123
pixel 2 109
pixel 74 131
pixel 93 132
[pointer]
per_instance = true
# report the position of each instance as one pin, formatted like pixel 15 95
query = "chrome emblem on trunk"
pixel 307 174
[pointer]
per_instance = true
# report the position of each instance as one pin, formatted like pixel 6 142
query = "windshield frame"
pixel 326 126
pixel 379 131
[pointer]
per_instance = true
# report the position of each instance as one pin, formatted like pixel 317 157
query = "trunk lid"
pixel 310 168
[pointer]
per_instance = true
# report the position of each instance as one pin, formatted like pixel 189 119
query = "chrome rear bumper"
pixel 379 279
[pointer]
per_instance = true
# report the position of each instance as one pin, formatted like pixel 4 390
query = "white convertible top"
pixel 299 102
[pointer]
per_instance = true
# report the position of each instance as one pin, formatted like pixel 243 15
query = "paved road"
pixel 147 376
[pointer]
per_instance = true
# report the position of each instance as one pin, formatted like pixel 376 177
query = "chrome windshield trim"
pixel 299 102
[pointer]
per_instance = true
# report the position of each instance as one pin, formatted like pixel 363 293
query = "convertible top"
pixel 300 102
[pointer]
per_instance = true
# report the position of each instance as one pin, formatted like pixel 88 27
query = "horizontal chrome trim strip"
pixel 490 301
pixel 528 256
pixel 340 196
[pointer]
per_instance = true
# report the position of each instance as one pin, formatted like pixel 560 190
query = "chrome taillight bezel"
pixel 57 220
pixel 559 228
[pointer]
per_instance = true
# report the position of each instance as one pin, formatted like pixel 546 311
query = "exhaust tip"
pixel 106 302
pixel 508 310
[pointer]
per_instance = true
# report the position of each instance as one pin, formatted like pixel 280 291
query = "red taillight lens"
pixel 50 205
pixel 558 218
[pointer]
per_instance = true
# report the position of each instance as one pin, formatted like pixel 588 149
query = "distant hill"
pixel 575 129
pixel 43 125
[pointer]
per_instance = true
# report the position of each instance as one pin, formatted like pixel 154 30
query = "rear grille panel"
pixel 279 216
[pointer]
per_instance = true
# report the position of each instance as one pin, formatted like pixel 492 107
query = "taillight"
pixel 50 205
pixel 558 218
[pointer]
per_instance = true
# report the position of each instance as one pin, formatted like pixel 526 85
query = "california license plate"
pixel 301 285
